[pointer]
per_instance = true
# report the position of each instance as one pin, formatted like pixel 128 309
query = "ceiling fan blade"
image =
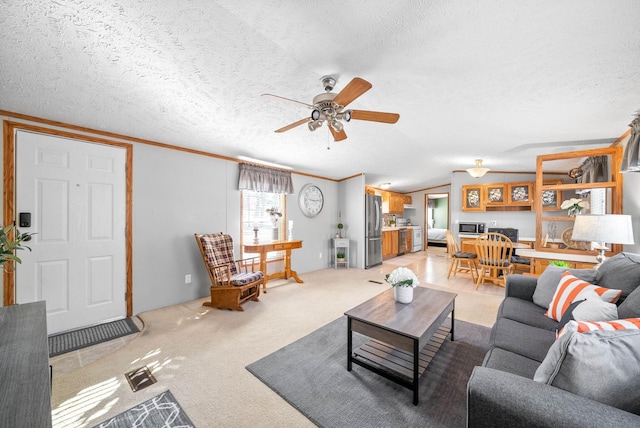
pixel 338 136
pixel 353 90
pixel 279 98
pixel 375 116
pixel 293 125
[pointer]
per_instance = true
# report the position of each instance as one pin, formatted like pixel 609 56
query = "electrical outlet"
pixel 187 279
pixel 493 223
pixel 320 255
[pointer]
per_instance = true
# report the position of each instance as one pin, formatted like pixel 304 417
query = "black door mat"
pixel 140 378
pixel 77 339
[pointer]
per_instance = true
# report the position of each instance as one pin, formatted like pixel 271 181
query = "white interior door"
pixel 76 194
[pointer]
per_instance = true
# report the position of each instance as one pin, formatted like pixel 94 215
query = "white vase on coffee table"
pixel 403 294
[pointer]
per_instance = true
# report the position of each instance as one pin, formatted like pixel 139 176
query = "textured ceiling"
pixel 499 80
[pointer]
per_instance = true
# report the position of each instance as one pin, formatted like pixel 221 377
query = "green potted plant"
pixel 340 256
pixel 11 240
pixel 560 263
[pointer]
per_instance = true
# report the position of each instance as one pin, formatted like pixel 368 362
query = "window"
pixel 255 215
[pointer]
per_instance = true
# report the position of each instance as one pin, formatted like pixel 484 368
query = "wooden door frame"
pixel 9 130
pixel 426 205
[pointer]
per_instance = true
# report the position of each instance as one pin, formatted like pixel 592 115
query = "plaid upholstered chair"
pixel 233 282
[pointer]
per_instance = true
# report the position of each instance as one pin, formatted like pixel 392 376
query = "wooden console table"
pixel 265 248
pixel 25 389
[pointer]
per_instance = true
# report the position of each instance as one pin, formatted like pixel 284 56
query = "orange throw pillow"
pixel 571 289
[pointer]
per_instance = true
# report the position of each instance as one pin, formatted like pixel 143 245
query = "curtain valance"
pixel 631 158
pixel 595 170
pixel 264 179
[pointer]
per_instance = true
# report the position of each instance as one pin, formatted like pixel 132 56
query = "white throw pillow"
pixel 595 309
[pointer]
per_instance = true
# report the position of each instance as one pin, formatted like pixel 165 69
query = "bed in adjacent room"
pixel 436 237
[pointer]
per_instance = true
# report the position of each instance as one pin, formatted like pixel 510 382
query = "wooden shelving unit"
pixel 545 214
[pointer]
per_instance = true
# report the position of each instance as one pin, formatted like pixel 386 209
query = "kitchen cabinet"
pixel 520 193
pixel 392 203
pixel 495 194
pixel 468 245
pixel 540 265
pixel 498 197
pixel 551 199
pixel 389 244
pixel 472 198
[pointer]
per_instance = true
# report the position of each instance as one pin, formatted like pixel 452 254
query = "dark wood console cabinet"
pixel 25 386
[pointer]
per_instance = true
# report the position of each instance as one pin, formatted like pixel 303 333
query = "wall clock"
pixel 311 200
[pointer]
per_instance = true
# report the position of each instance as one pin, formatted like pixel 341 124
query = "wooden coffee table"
pixel 404 338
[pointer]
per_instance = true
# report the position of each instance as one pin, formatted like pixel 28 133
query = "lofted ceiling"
pixel 499 80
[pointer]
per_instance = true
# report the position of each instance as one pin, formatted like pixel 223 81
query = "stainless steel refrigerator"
pixel 373 236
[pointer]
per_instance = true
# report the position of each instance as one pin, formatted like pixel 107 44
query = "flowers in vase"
pixel 574 206
pixel 275 215
pixel 402 277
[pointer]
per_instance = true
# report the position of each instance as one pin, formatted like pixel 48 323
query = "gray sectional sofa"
pixel 503 393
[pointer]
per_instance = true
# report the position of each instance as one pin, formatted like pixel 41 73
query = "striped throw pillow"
pixel 585 326
pixel 571 289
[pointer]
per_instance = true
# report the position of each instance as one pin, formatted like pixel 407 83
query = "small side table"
pixel 340 245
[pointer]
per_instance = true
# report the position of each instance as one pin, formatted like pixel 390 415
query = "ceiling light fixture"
pixel 478 170
pixel 385 185
pixel 261 162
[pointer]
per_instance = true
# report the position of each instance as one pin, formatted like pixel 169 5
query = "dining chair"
pixel 494 258
pixel 460 261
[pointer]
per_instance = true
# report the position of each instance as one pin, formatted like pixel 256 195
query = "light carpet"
pixel 200 353
pixel 311 375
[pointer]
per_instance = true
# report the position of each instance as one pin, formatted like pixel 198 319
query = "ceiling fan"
pixel 330 107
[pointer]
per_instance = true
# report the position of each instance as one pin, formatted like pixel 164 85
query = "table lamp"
pixel 602 229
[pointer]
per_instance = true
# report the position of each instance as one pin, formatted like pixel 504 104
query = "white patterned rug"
pixel 161 411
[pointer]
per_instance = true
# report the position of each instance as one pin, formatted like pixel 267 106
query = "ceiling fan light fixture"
pixel 315 114
pixel 478 170
pixel 336 125
pixel 314 125
pixel 345 115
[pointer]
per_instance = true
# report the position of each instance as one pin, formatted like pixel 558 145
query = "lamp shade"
pixel 606 228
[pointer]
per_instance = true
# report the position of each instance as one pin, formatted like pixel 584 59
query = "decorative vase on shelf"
pixel 276 234
pixel 403 294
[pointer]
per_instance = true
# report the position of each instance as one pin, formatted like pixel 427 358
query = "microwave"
pixel 471 228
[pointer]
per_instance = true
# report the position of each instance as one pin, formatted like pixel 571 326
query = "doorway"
pixel 437 218
pixel 76 192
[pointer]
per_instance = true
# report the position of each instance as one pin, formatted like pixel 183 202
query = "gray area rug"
pixel 161 411
pixel 311 375
pixel 78 339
